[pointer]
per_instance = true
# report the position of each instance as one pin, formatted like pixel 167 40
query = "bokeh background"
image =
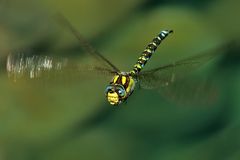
pixel 70 118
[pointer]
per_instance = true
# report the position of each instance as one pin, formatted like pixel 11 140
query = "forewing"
pixel 44 67
pixel 86 45
pixel 178 82
pixel 171 73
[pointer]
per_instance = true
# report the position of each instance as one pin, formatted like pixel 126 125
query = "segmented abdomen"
pixel 150 49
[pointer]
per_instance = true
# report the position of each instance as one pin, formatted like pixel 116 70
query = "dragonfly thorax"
pixel 120 88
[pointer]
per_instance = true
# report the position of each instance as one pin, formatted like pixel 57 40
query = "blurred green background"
pixel 71 119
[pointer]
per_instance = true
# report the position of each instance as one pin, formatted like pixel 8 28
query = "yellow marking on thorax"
pixel 115 78
pixel 130 84
pixel 124 79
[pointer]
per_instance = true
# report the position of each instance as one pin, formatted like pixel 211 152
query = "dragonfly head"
pixel 115 94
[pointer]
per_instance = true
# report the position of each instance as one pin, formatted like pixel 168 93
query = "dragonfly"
pixel 122 83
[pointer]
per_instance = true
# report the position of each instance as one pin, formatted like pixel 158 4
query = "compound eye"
pixel 121 92
pixel 108 89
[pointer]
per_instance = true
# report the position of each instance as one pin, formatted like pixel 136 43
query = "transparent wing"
pixel 171 73
pixel 177 83
pixel 191 91
pixel 86 45
pixel 30 66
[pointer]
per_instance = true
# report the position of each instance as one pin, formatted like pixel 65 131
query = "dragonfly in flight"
pixel 123 83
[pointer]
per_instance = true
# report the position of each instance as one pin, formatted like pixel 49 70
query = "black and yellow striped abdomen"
pixel 123 83
pixel 150 49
